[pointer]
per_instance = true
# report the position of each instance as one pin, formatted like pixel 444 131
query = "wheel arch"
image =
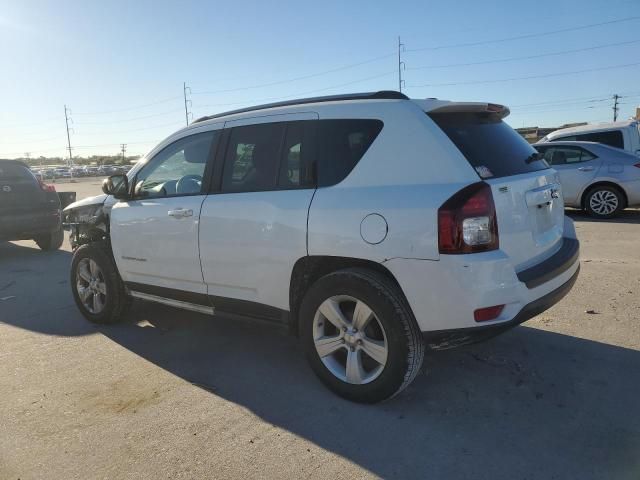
pixel 603 183
pixel 307 270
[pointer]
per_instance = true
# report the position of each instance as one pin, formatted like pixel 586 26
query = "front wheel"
pixel 604 202
pixel 97 287
pixel 360 336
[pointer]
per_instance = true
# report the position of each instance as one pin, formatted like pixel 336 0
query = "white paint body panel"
pixel 249 243
pixel 153 248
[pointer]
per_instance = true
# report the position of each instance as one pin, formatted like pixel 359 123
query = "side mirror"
pixel 117 185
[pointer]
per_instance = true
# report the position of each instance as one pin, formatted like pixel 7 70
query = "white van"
pixel 624 135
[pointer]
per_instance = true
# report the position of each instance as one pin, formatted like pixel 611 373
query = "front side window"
pixel 178 169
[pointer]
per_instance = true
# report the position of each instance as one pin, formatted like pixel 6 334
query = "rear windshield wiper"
pixel 533 157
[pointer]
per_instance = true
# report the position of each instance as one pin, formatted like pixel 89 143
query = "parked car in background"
pixel 371 224
pixel 29 208
pixel 597 178
pixel 624 135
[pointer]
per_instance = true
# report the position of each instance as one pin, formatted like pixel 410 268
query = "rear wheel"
pixel 97 287
pixel 604 202
pixel 50 241
pixel 360 336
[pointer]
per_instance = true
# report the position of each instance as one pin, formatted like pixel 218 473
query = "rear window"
pixel 612 138
pixel 492 147
pixel 15 171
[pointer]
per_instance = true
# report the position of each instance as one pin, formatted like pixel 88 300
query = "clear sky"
pixel 120 65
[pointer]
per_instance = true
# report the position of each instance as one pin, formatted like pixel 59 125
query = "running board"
pixel 173 303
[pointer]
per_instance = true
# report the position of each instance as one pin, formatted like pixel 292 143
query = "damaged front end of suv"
pixel 87 220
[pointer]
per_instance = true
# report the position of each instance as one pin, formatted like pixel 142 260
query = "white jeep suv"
pixel 372 224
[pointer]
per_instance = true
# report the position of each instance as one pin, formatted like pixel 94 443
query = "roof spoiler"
pixel 470 107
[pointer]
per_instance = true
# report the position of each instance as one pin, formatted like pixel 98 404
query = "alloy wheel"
pixel 603 202
pixel 91 286
pixel 350 339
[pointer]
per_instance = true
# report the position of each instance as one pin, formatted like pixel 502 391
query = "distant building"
pixel 534 134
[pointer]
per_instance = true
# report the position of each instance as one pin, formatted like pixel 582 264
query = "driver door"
pixel 155 235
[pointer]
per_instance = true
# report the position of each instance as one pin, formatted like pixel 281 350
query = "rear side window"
pixel 565 155
pixel 296 157
pixel 612 138
pixel 251 162
pixel 15 171
pixel 492 147
pixel 340 146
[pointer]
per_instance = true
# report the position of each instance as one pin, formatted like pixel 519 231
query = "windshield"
pixel 492 147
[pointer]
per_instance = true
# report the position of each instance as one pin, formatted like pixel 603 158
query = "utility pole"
pixel 67 112
pixel 616 97
pixel 187 103
pixel 400 64
pixel 123 148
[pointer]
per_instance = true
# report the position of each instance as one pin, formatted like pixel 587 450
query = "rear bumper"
pixel 26 226
pixel 445 339
pixel 443 294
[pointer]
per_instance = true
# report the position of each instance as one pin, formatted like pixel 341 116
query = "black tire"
pixel 50 241
pixel 115 301
pixel 404 340
pixel 595 195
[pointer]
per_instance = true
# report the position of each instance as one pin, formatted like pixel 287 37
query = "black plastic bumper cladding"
pixel 555 265
pixel 445 339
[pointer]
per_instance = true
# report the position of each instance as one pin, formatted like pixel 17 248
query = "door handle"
pixel 180 212
pixel 585 169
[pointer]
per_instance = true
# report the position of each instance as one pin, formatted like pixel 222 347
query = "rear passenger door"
pixel 576 168
pixel 253 225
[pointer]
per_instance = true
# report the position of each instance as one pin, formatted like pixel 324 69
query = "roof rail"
pixel 382 94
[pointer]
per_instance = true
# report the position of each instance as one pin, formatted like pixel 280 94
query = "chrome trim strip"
pixel 173 303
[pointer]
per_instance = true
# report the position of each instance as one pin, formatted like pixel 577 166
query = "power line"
pixel 298 94
pixel 529 77
pixel 521 37
pixel 103 132
pixel 527 57
pixel 144 117
pixel 295 79
pixel 137 107
pixel 594 98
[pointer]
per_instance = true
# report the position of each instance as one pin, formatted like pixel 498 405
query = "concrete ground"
pixel 172 394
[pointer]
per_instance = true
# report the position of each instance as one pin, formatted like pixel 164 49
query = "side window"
pixel 563 155
pixel 586 156
pixel 296 158
pixel 612 138
pixel 178 169
pixel 341 145
pixel 251 161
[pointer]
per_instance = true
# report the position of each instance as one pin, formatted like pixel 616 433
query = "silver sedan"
pixel 600 179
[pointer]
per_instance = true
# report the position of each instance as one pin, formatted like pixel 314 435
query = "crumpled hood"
pixel 97 200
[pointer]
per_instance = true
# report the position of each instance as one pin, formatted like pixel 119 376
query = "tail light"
pixel 467 222
pixel 46 187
